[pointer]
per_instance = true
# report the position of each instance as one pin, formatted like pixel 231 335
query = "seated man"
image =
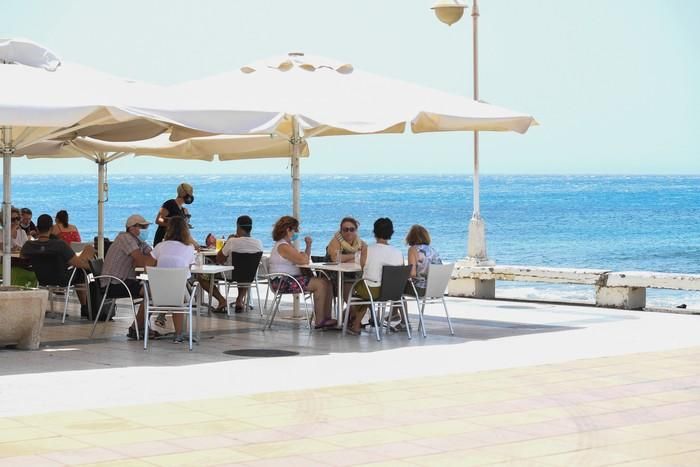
pixel 241 242
pixel 44 246
pixel 129 250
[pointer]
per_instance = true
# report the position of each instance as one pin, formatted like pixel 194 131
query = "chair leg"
pixel 189 325
pixel 267 294
pixel 306 312
pixel 377 324
pixel 146 320
pixel 257 293
pixel 405 317
pixel 66 293
pixel 99 312
pixel 273 310
pixel 449 322
pixel 421 310
pixel 228 289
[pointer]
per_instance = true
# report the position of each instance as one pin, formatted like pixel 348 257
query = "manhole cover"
pixel 261 353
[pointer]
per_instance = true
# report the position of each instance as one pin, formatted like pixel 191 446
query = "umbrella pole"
pixel 296 205
pixel 7 151
pixel 101 173
pixel 476 242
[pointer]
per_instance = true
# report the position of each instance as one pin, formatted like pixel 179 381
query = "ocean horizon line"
pixel 366 174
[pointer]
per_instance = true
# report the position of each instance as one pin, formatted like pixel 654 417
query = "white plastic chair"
pixel 436 283
pixel 167 293
pixel 277 298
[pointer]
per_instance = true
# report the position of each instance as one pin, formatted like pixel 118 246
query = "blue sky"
pixel 613 83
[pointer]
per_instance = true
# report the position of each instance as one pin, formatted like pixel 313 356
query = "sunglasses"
pixel 348 229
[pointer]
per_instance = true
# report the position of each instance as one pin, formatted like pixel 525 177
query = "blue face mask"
pixel 143 235
pixel 295 236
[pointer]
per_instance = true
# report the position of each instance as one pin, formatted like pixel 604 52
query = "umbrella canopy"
pixel 328 97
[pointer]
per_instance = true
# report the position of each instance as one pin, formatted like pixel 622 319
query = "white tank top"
pixel 280 264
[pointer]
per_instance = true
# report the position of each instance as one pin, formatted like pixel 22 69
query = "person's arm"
pixel 332 248
pixel 82 260
pixel 222 254
pixel 141 260
pixel 292 254
pixel 363 255
pixel 162 217
pixel 413 260
pixel 77 234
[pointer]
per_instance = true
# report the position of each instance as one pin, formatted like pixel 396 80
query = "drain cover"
pixel 261 353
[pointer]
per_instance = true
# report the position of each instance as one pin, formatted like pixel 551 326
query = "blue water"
pixel 611 222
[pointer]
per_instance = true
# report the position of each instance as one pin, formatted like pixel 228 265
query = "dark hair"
pixel 178 231
pixel 62 218
pixel 352 220
pixel 26 211
pixel 279 231
pixel 44 223
pixel 383 228
pixel 245 223
pixel 417 235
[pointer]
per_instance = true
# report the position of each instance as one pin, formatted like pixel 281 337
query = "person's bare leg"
pixel 216 292
pixel 177 322
pixel 241 298
pixel 322 298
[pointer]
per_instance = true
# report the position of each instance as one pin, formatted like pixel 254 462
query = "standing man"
pixel 241 242
pixel 44 246
pixel 129 250
pixel 172 208
pixel 26 223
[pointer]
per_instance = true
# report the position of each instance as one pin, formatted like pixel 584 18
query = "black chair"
pixel 100 294
pixel 53 275
pixel 244 275
pixel 394 280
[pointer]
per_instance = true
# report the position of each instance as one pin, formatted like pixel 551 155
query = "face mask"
pixel 143 236
pixel 295 236
pixel 188 199
pixel 23 225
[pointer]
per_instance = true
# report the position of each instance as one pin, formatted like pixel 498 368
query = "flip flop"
pixel 326 323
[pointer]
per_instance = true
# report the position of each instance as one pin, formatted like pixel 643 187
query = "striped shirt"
pixel 118 262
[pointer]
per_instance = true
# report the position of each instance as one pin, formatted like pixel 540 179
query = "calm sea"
pixel 616 222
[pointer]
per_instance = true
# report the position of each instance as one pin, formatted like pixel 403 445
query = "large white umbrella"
pixel 226 147
pixel 316 96
pixel 45 98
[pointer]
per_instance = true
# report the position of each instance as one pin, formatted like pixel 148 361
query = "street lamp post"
pixel 449 12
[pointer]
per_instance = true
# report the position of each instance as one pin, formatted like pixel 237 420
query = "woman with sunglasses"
pixel 285 258
pixel 346 241
pixel 346 247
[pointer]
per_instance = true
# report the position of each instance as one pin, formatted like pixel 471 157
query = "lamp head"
pixel 449 11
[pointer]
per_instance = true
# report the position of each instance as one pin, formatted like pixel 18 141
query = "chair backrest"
pixel 394 279
pixel 438 277
pixel 320 259
pixel 264 266
pixel 245 266
pixel 167 285
pixel 50 269
pixel 96 266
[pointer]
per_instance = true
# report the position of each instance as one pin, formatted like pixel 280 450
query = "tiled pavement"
pixel 556 407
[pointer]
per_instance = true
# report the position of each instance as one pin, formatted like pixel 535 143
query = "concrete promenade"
pixel 519 384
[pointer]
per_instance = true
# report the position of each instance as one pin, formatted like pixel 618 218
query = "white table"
pixel 340 268
pixel 206 269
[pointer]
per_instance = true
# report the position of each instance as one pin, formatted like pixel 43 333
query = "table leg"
pixel 338 306
pixel 199 305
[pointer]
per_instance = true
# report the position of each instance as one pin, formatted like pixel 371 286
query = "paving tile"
pixel 297 447
pixel 83 456
pixel 463 458
pixel 366 438
pixel 40 446
pixel 28 461
pixel 200 457
pixel 343 457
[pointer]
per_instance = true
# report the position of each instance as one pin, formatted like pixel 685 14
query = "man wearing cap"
pixel 127 252
pixel 44 245
pixel 172 208
pixel 241 242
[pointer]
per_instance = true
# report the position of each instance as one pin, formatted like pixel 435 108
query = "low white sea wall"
pixel 626 289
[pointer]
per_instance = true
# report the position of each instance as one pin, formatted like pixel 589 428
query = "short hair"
pixel 44 223
pixel 383 228
pixel 26 211
pixel 178 230
pixel 417 235
pixel 352 220
pixel 279 231
pixel 245 223
pixel 62 218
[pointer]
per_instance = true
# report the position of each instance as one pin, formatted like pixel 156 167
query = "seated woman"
pixel 63 230
pixel 344 245
pixel 17 235
pixel 373 259
pixel 175 251
pixel 284 258
pixel 420 256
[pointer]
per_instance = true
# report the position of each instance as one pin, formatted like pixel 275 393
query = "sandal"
pixel 131 334
pixel 220 309
pixel 327 323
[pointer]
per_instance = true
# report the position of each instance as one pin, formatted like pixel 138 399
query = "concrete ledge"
pixel 653 280
pixel 22 316
pixel 626 298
